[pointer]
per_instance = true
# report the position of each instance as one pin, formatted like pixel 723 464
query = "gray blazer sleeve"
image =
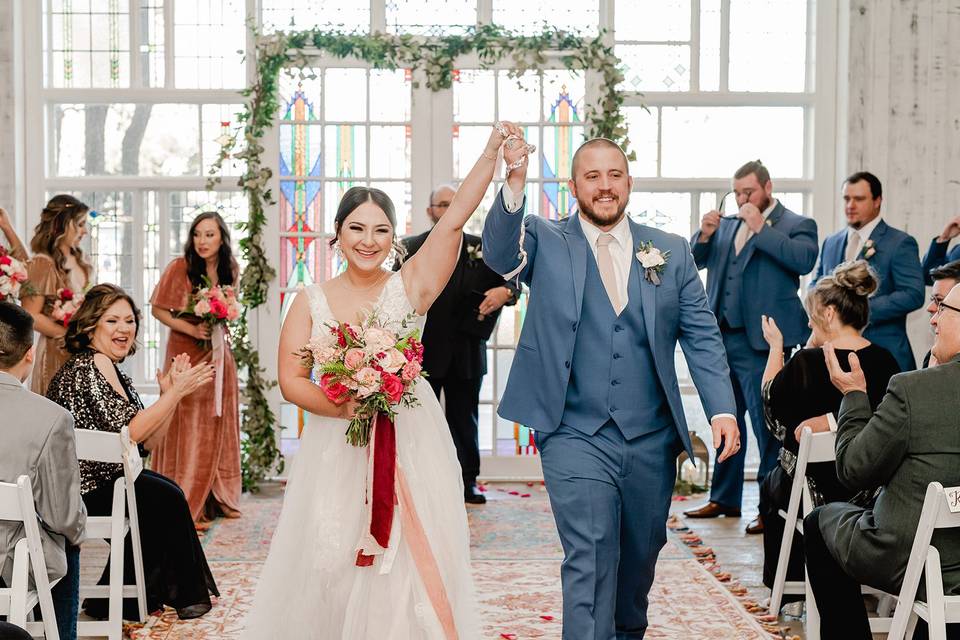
pixel 57 490
pixel 871 446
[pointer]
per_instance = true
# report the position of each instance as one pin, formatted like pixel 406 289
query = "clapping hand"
pixel 951 231
pixel 179 364
pixel 188 379
pixel 842 380
pixel 771 333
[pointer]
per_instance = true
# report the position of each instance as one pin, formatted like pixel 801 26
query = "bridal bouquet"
pixel 213 304
pixel 66 305
pixel 13 274
pixel 368 363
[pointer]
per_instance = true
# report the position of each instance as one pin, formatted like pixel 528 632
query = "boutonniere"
pixel 474 254
pixel 652 260
pixel 768 222
pixel 868 250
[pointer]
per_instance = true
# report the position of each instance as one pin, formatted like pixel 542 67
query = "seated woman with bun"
pixel 799 393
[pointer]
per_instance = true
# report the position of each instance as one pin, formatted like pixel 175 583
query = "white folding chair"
pixel 814 447
pixel 101 446
pixel 18 600
pixel 939 609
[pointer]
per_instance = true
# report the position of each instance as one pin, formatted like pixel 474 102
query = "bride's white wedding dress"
pixel 310 586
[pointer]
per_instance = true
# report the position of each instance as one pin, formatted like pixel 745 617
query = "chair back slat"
pixel 98 446
pixel 823 447
pixel 10 502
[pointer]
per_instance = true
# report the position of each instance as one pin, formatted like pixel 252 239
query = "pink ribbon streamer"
pixel 219 350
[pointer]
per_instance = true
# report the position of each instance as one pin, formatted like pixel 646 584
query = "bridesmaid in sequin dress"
pixel 58 263
pixel 201 448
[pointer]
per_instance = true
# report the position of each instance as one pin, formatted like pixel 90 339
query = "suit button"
pixel 616 356
pixel 615 382
pixel 574 326
pixel 566 364
pixel 617 327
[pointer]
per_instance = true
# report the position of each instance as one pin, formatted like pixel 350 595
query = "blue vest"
pixel 730 308
pixel 613 375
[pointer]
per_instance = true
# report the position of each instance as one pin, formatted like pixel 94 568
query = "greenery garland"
pixel 435 57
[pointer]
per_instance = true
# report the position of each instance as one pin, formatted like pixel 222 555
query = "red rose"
pixel 335 391
pixel 66 294
pixel 5 260
pixel 218 308
pixel 392 386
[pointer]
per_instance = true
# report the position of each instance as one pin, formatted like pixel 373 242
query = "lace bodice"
pixel 393 307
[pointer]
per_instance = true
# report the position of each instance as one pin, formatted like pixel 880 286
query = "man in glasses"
pixel 910 441
pixel 944 278
pixel 754 261
pixel 455 338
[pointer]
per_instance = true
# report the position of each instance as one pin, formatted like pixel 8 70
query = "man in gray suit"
pixel 910 441
pixel 38 441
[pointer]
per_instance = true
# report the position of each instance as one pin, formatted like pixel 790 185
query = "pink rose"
pixel 368 381
pixel 392 360
pixel 410 371
pixel 392 387
pixel 233 312
pixel 201 308
pixel 354 358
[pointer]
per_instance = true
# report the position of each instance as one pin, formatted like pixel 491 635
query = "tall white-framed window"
pixel 126 100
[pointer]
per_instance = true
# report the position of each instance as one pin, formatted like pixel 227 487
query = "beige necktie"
pixel 853 247
pixel 740 240
pixel 607 274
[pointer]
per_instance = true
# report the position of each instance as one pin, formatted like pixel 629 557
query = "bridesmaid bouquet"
pixel 213 304
pixel 370 364
pixel 66 305
pixel 13 274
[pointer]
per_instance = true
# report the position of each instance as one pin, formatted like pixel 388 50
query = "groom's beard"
pixel 601 220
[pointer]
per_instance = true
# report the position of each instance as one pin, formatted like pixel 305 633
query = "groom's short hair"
pixel 597 142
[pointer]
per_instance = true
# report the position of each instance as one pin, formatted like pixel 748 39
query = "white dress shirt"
pixel 862 234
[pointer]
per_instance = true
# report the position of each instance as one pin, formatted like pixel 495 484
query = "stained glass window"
pixel 338 128
pixel 654 43
pixel 151 49
pixel 89 43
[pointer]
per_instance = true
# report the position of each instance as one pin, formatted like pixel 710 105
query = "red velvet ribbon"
pixel 383 494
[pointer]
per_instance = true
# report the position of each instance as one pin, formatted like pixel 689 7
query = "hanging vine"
pixel 435 58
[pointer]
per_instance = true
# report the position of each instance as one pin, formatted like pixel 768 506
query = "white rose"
pixel 392 360
pixel 652 258
pixel 376 340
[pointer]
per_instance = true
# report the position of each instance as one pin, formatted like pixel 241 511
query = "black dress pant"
pixel 462 405
pixel 175 567
pixel 843 615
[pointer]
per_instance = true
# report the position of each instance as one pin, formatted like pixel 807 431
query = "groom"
pixel 594 375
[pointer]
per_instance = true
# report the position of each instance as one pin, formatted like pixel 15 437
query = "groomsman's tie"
pixel 853 246
pixel 607 274
pixel 740 240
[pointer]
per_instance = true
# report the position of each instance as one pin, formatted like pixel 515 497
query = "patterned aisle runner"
pixel 516 560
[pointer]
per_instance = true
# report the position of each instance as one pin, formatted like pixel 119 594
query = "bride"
pixel 421 588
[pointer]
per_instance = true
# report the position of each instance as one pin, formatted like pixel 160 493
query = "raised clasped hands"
pixel 516 151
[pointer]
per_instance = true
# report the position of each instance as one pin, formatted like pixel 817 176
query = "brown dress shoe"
pixel 712 510
pixel 756 525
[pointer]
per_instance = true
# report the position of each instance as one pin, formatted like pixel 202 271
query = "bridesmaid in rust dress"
pixel 201 448
pixel 58 263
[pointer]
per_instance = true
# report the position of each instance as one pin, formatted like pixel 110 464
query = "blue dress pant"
pixel 610 498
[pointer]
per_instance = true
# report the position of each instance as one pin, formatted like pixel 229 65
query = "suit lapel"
pixel 647 290
pixel 577 246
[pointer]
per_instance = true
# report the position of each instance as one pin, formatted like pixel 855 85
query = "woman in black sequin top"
pixel 101 397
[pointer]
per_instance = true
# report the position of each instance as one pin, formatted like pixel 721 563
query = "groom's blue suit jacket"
pixel 675 310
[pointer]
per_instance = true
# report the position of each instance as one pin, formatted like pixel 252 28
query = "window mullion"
pixel 133 15
pixel 169 42
pixel 695 46
pixel 484 11
pixel 724 46
pixel 378 16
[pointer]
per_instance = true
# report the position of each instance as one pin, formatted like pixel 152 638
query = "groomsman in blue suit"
pixel 937 255
pixel 893 255
pixel 754 261
pixel 594 375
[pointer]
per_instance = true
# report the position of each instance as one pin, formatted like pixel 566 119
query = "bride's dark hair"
pixel 356 196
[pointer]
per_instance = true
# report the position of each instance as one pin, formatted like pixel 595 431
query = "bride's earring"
pixel 337 250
